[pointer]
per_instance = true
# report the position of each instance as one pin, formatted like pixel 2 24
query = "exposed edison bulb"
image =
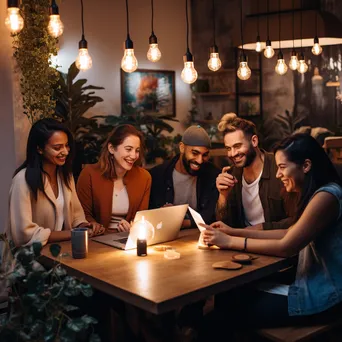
pixel 281 67
pixel 55 26
pixel 129 62
pixel 316 49
pixel 153 53
pixel 189 73
pixel 244 72
pixel 14 21
pixel 303 67
pixel 83 60
pixel 268 52
pixel 294 63
pixel 258 47
pixel 214 62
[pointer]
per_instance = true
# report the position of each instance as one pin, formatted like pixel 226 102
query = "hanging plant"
pixel 33 47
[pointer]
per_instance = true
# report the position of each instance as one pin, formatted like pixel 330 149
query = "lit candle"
pixel 141 240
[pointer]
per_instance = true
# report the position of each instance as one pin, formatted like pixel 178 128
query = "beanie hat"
pixel 196 136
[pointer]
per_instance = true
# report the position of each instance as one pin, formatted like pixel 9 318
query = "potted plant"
pixel 39 299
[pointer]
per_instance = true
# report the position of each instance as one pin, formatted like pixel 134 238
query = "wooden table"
pixel 159 285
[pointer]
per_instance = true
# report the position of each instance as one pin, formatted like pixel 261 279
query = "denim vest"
pixel 318 284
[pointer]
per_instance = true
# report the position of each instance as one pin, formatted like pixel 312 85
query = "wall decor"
pixel 150 91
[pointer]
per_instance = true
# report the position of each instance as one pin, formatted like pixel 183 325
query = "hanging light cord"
pixel 258 31
pixel 127 18
pixel 301 26
pixel 241 30
pixel 187 25
pixel 279 18
pixel 82 20
pixel 152 16
pixel 214 27
pixel 268 31
pixel 293 26
pixel 53 3
pixel 316 23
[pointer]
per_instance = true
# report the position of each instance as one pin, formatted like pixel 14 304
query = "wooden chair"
pixel 300 333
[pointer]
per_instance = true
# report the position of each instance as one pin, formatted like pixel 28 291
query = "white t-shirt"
pixel 254 212
pixel 120 206
pixel 59 206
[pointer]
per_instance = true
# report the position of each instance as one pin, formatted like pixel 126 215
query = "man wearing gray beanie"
pixel 188 178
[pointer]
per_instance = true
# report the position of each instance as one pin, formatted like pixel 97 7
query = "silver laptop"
pixel 167 222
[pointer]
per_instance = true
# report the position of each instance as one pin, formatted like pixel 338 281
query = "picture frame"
pixel 249 106
pixel 149 91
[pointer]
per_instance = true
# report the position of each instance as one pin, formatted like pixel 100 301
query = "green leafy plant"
pixel 33 47
pixel 39 300
pixel 280 126
pixel 73 99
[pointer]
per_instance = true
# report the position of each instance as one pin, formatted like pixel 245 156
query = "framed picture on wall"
pixel 249 106
pixel 151 91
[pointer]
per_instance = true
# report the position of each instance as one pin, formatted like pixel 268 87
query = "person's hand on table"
pixel 95 228
pixel 124 226
pixel 213 236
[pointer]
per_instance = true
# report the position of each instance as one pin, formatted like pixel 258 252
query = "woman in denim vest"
pixel 316 236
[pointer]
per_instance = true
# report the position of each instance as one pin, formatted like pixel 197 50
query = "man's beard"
pixel 250 157
pixel 186 164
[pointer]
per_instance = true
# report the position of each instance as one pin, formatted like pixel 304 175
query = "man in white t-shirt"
pixel 250 195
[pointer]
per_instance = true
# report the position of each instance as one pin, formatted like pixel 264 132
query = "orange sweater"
pixel 96 193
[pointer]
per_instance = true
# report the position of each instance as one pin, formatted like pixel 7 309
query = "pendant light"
pixel 153 53
pixel 83 60
pixel 214 62
pixel 281 67
pixel 258 42
pixel 244 72
pixel 55 26
pixel 268 52
pixel 294 58
pixel 189 73
pixel 129 62
pixel 302 67
pixel 14 21
pixel 316 49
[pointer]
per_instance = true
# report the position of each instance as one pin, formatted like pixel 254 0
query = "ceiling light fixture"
pixel 258 47
pixel 189 74
pixel 129 62
pixel 214 62
pixel 302 67
pixel 83 60
pixel 268 52
pixel 281 67
pixel 294 56
pixel 153 53
pixel 14 21
pixel 316 49
pixel 55 26
pixel 244 72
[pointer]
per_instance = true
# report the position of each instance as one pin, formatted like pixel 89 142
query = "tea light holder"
pixel 141 247
pixel 142 231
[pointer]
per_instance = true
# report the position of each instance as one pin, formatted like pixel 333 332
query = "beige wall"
pixel 105 31
pixel 6 117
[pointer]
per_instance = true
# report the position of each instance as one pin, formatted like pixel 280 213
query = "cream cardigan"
pixel 31 220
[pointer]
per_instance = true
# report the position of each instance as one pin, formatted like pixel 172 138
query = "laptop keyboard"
pixel 124 240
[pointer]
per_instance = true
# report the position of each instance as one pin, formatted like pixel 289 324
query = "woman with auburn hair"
pixel 114 189
pixel 43 204
pixel 316 236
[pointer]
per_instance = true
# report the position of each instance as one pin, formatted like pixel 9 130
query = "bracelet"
pixel 245 246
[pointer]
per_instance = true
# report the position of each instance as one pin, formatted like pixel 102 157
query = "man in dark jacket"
pixel 189 178
pixel 250 194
